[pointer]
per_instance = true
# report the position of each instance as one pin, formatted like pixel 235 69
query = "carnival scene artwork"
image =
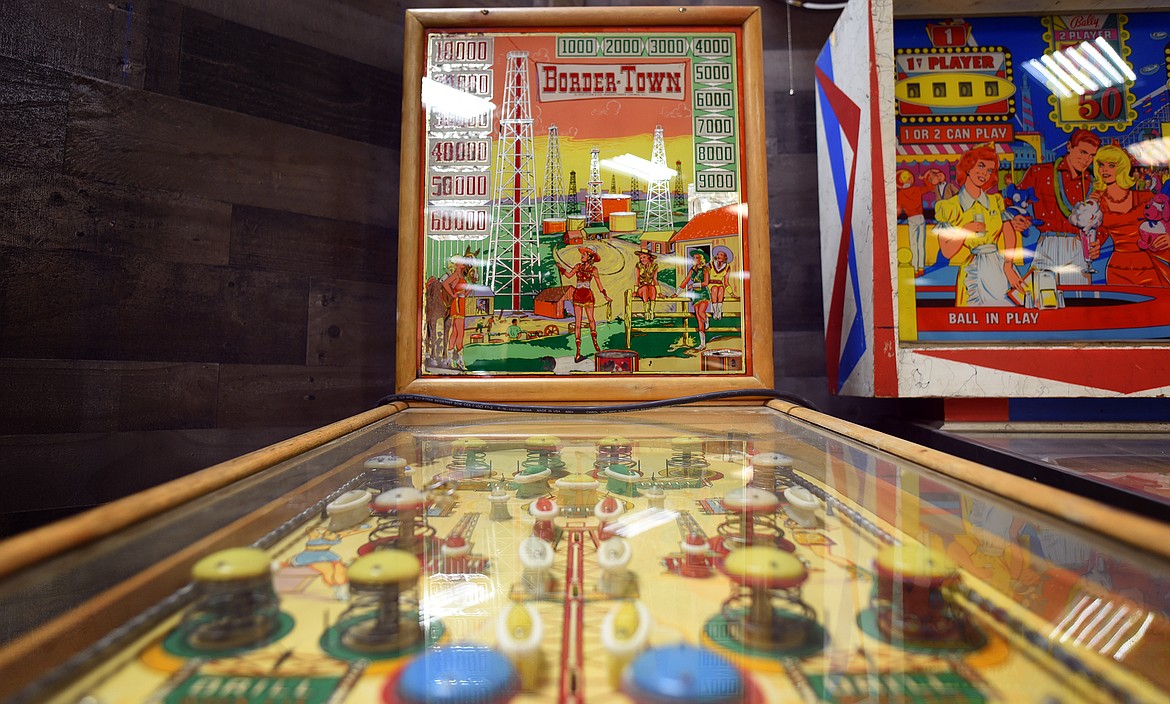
pixel 1032 192
pixel 585 208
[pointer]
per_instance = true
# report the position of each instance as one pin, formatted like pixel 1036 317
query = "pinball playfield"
pixel 1127 459
pixel 694 554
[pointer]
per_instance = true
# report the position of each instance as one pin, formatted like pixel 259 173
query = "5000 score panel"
pixel 712 73
pixel 458 221
pixel 459 152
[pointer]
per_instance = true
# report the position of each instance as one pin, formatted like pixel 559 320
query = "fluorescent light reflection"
pixel 442 98
pixel 1067 65
pixel 637 166
pixel 1042 74
pixel 1083 61
pixel 1084 68
pixel 1113 57
pixel 1103 62
pixel 459 597
pixel 1060 73
pixel 1151 152
pixel 675 260
pixel 631 524
pixel 1129 644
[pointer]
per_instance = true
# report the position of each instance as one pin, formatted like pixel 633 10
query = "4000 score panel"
pixel 713 46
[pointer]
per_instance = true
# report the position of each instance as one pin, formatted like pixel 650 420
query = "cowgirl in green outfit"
pixel 697 283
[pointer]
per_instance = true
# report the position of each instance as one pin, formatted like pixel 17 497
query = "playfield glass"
pixel 705 554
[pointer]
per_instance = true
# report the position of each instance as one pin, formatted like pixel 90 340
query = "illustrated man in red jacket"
pixel 1059 186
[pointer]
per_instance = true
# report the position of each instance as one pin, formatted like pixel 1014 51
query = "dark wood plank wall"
pixel 198 208
pixel 198 214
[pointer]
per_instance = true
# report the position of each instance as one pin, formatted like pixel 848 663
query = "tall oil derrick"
pixel 554 199
pixel 658 211
pixel 1027 121
pixel 613 184
pixel 635 190
pixel 680 193
pixel 572 205
pixel 593 210
pixel 514 248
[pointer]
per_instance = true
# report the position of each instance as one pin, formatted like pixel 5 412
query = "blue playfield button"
pixel 458 674
pixel 679 673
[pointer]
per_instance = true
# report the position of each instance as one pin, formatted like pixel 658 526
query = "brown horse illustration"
pixel 436 312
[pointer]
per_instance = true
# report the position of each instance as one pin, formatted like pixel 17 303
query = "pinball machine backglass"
pixel 584 195
pixel 753 551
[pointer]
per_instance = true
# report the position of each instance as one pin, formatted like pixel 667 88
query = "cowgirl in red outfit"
pixel 583 275
pixel 458 284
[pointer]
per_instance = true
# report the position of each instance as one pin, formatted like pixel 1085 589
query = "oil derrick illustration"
pixel 554 199
pixel 593 210
pixel 572 205
pixel 513 249
pixel 658 212
pixel 680 198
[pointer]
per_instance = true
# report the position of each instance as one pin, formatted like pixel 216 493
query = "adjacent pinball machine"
pixel 942 285
pixel 565 525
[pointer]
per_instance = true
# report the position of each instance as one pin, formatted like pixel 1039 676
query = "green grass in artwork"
pixel 538 355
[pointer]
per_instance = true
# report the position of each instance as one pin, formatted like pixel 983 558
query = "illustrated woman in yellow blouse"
pixel 973 234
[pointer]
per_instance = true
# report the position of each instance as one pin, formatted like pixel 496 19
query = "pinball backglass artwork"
pixel 1005 232
pixel 581 199
pixel 1050 128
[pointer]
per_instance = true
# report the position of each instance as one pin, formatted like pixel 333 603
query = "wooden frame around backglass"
pixel 655 282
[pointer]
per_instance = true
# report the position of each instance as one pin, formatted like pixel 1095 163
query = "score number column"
pixel 716 122
pixel 458 144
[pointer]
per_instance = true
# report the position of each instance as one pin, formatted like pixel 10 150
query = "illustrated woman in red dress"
pixel 583 274
pixel 1123 209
